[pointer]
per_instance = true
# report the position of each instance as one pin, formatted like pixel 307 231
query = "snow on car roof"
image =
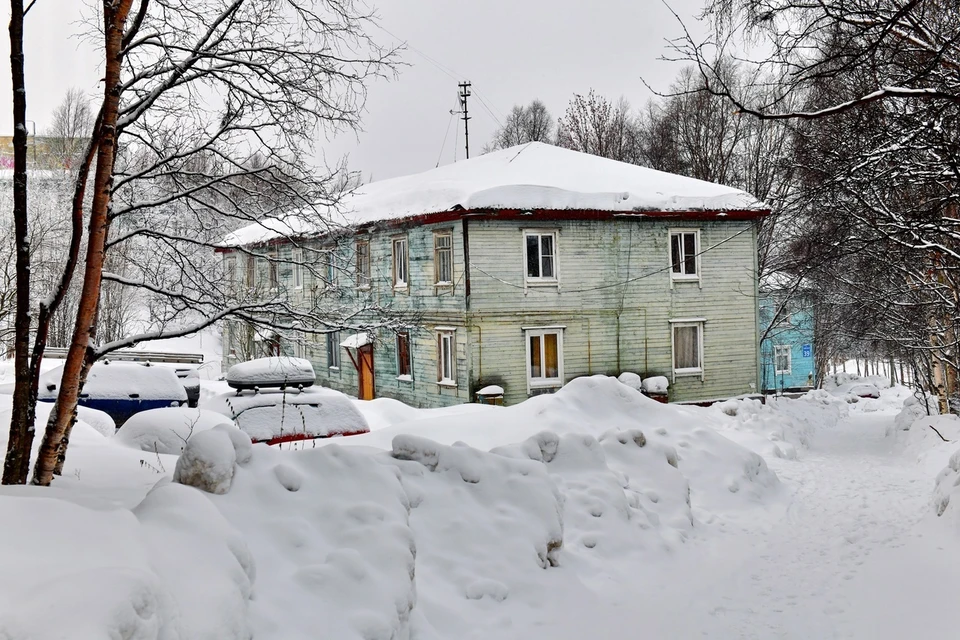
pixel 271 370
pixel 120 380
pixel 533 176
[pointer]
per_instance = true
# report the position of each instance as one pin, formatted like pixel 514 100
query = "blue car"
pixel 121 389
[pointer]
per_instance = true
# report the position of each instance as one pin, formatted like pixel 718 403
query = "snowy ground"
pixel 591 513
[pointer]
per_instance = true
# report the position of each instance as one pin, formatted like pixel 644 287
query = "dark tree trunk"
pixel 17 460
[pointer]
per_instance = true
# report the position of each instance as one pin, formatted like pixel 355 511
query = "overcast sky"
pixel 511 50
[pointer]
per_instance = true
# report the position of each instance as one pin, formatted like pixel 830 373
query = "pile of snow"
pixel 166 430
pixel 914 408
pixel 782 426
pixel 631 379
pixel 173 567
pixel 100 421
pixel 655 384
pixel 272 371
pixel 210 459
pixel 121 380
pixel 316 412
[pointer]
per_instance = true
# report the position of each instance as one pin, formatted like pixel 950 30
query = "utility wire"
pixel 613 284
pixel 445 134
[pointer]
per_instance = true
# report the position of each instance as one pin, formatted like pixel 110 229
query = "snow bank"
pixel 172 568
pixel 167 430
pixel 100 421
pixel 210 459
pixel 782 426
pixel 914 409
pixel 656 384
pixel 329 531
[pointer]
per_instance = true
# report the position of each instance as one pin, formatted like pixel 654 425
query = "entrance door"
pixel 365 371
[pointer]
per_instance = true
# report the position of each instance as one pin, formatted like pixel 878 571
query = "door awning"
pixel 357 340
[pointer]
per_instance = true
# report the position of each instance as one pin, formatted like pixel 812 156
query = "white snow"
pixel 594 512
pixel 119 380
pixel 530 176
pixel 656 384
pixel 167 430
pixel 491 390
pixel 357 340
pixel 272 371
pixel 631 379
pixel 313 412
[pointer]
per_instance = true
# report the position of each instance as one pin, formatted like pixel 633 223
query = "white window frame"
pixel 779 349
pixel 446 357
pixel 401 263
pixel 540 280
pixel 273 271
pixel 363 280
pixel 230 271
pixel 437 279
pixel 408 376
pixel 333 351
pixel 296 256
pixel 299 345
pixel 250 271
pixel 543 382
pixel 681 323
pixel 330 269
pixel 684 277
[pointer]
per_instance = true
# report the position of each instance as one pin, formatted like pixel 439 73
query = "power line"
pixel 446 133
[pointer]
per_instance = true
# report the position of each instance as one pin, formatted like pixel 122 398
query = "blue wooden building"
pixel 786 346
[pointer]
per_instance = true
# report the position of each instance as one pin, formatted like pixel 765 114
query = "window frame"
pixel 438 281
pixel 333 351
pixel 408 376
pixel 541 280
pixel 230 270
pixel 296 258
pixel 683 276
pixel 777 350
pixel 681 323
pixel 446 336
pixel 363 264
pixel 330 268
pixel 273 272
pixel 543 382
pixel 398 264
pixel 250 271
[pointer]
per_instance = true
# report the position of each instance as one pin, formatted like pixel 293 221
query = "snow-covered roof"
pixel 533 176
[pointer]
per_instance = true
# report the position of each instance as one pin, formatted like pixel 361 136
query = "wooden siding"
pixel 613 297
pixel 615 300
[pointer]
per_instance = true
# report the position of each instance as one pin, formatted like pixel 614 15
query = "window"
pixel 330 269
pixel 333 350
pixel 446 357
pixel 688 347
pixel 684 258
pixel 299 345
pixel 272 270
pixel 404 356
pixel 540 249
pixel 363 264
pixel 544 357
pixel 782 358
pixel 251 276
pixel 298 268
pixel 443 258
pixel 230 272
pixel 401 266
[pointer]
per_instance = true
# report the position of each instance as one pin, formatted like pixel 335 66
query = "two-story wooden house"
pixel 525 268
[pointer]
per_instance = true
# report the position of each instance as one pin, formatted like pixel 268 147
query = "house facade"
pixel 787 345
pixel 524 269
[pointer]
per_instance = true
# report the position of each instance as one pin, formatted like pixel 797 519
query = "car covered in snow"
pixel 276 416
pixel 121 389
pixel 864 390
pixel 279 372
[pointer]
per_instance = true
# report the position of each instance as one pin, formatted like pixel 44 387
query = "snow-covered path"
pixel 854 554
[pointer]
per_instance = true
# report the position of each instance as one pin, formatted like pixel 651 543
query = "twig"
pixel 938 433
